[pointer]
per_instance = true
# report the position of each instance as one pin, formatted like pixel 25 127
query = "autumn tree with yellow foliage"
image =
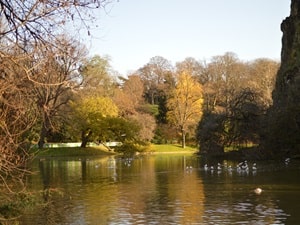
pixel 185 104
pixel 89 114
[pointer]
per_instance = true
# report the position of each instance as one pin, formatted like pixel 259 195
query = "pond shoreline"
pixel 100 151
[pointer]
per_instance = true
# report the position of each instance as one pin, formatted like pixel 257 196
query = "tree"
pixel 156 76
pixel 27 26
pixel 226 77
pixel 17 116
pixel 185 104
pixel 129 97
pixel 210 133
pixel 38 21
pixel 192 66
pixel 97 76
pixel 243 118
pixel 130 101
pixel 89 113
pixel 261 78
pixel 53 80
pixel 147 126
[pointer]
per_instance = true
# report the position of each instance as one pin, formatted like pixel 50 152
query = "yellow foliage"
pixel 92 107
pixel 185 102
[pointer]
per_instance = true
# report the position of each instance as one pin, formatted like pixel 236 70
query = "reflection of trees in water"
pixel 231 198
pixel 157 189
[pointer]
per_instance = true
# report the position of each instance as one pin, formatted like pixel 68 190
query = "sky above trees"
pixel 131 32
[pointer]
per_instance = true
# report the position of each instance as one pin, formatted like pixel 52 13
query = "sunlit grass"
pixel 102 151
pixel 168 148
pixel 73 151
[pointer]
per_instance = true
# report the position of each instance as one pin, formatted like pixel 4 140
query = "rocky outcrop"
pixel 283 123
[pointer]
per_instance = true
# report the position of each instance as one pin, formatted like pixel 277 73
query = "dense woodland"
pixel 51 91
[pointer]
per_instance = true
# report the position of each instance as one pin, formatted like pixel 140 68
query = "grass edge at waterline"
pixel 102 151
pixel 73 152
pixel 172 148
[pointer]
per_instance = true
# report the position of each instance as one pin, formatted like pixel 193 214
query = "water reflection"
pixel 164 189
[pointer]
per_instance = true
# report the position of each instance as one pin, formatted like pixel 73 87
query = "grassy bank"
pixel 172 148
pixel 102 151
pixel 73 152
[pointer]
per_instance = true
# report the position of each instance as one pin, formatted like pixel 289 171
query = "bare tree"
pixel 17 115
pixel 156 76
pixel 25 85
pixel 41 21
pixel 53 80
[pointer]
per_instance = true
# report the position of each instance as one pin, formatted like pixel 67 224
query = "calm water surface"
pixel 164 189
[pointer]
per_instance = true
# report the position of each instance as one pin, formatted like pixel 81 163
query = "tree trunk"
pixel 183 137
pixel 85 136
pixel 43 133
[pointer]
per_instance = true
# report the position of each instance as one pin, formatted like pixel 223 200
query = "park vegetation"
pixel 52 91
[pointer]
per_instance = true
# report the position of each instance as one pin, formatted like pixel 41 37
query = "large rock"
pixel 283 130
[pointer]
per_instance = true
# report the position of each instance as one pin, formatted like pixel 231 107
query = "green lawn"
pixel 101 151
pixel 172 148
pixel 73 152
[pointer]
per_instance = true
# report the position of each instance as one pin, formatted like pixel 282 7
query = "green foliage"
pixel 73 152
pixel 161 117
pixel 237 126
pixel 130 147
pixel 282 132
pixel 185 104
pixel 16 204
pixel 96 74
pixel 117 129
pixel 90 115
pixel 211 133
pixel 149 109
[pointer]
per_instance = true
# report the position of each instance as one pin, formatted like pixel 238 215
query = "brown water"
pixel 164 189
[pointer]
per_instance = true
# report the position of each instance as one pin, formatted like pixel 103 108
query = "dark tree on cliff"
pixel 282 133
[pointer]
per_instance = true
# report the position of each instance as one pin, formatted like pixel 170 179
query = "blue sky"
pixel 133 31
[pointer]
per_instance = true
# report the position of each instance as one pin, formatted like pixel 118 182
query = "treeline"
pixel 38 77
pixel 215 104
pixel 52 92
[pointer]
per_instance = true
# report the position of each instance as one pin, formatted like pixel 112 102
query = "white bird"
pixel 205 167
pixel 258 191
pixel 219 167
pixel 287 160
pixel 254 166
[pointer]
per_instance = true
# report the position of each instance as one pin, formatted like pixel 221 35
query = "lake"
pixel 164 189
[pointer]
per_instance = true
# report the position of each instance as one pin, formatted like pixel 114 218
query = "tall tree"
pixel 90 112
pixel 53 80
pixel 17 116
pixel 156 75
pixel 26 26
pixel 185 104
pixel 41 21
pixel 130 101
pixel 192 66
pixel 97 76
pixel 129 97
pixel 262 76
pixel 226 76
